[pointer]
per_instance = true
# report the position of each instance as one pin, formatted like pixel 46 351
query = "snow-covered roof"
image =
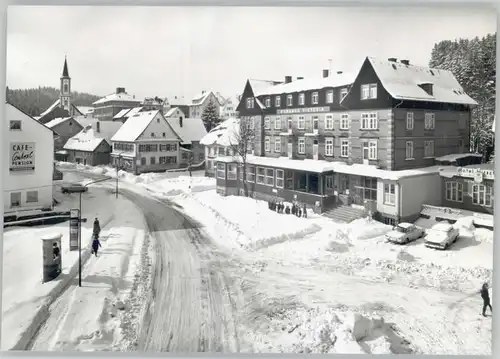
pixel 133 112
pixel 85 110
pixel 200 98
pixel 320 166
pixel 456 156
pixel 402 82
pixel 171 112
pixel 37 117
pixel 121 113
pixel 223 134
pixel 122 96
pixel 178 101
pixel 53 106
pixel 56 121
pixel 333 80
pixel 134 126
pixel 86 140
pixel 192 130
pixel 259 87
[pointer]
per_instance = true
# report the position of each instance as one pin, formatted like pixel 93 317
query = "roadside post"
pixel 52 256
pixel 74 225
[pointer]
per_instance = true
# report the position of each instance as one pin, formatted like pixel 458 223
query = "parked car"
pixel 404 233
pixel 73 188
pixel 441 236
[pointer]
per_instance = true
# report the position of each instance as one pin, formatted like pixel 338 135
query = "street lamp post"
pixel 118 165
pixel 80 230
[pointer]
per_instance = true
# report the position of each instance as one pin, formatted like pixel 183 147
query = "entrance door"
pixel 290 150
pixel 84 161
pixel 315 149
pixel 344 183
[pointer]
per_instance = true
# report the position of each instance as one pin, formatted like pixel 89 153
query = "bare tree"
pixel 241 142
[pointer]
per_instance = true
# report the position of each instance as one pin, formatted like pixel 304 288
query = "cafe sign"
pixel 22 156
pixel 303 110
pixel 477 174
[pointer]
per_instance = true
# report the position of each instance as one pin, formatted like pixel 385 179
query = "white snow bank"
pixel 322 331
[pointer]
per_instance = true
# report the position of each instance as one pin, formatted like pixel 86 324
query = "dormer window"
pixel 268 102
pixel 277 101
pixel 314 98
pixel 250 102
pixel 343 93
pixel 289 100
pixel 329 96
pixel 427 87
pixel 302 99
pixel 369 91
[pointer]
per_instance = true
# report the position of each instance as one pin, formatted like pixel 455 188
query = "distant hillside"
pixel 35 101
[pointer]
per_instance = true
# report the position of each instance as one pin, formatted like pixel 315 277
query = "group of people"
pixel 95 235
pixel 295 209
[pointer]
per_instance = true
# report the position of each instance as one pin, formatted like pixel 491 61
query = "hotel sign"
pixel 303 110
pixel 477 174
pixel 22 156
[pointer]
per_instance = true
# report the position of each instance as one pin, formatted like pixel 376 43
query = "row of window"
pixel 16 197
pixel 162 160
pixel 429 121
pixel 481 195
pixel 301 99
pixel 169 147
pixel 428 149
pixel 125 147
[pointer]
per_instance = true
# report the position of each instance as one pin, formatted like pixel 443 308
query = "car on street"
pixel 73 188
pixel 404 233
pixel 441 236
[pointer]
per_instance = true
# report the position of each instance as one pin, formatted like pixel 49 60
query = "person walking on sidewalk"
pixel 486 299
pixel 97 228
pixel 95 245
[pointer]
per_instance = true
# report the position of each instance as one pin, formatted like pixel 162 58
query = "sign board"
pixel 471 173
pixel 22 156
pixel 303 110
pixel 74 219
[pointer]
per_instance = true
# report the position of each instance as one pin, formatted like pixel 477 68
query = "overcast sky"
pixel 166 51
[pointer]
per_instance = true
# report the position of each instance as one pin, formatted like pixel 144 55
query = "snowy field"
pixel 316 284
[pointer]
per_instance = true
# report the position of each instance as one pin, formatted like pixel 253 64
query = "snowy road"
pixel 191 309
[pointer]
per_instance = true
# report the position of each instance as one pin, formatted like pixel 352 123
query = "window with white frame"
pixel 315 123
pixel 344 121
pixel 344 148
pixel 289 179
pixel 343 93
pixel 221 170
pixel 430 120
pixel 409 150
pixel 390 194
pixel 329 147
pixel 250 102
pixel 302 122
pixel 409 121
pixel 302 145
pixel 277 123
pixel 302 99
pixel 329 122
pixel 277 145
pixel 31 196
pixel 261 175
pixel 277 101
pixel 370 150
pixel 329 182
pixel 289 100
pixel 232 171
pixel 267 102
pixel 368 91
pixel 429 148
pixel 280 178
pixel 267 123
pixel 267 144
pixel 369 121
pixel 289 122
pixel 270 177
pixel 454 191
pixel 251 174
pixel 481 195
pixel 329 96
pixel 314 98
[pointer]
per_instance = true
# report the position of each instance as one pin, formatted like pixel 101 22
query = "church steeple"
pixel 65 90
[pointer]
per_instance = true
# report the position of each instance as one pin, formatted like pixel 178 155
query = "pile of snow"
pixel 328 331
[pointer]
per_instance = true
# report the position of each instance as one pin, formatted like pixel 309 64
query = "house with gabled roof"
pixel 353 144
pixel 88 147
pixel 200 102
pixel 65 128
pixel 146 142
pixel 191 131
pixel 107 107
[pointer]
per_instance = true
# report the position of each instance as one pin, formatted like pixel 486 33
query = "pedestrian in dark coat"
pixel 95 245
pixel 97 227
pixel 486 299
pixel 287 210
pixel 269 204
pixel 299 212
pixel 294 209
pixel 304 211
pixel 281 207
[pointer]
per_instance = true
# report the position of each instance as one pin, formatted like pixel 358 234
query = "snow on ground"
pixel 90 318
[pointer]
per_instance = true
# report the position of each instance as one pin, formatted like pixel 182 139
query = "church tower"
pixel 65 91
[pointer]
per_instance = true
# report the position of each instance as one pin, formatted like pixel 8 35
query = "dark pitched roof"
pixel 65 68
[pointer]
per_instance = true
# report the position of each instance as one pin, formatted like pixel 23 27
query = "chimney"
pixel 392 59
pixel 339 72
pixel 325 73
pixel 98 127
pixel 427 87
pixel 288 79
pixel 300 78
pixel 406 62
pixel 120 90
pixel 180 121
pixel 203 92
